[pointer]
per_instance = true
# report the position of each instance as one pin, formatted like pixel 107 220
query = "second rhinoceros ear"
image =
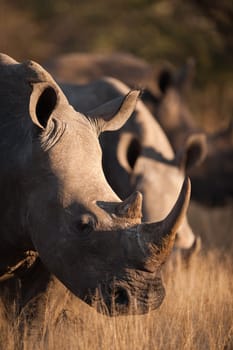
pixel 113 114
pixel 193 153
pixel 165 79
pixel 43 101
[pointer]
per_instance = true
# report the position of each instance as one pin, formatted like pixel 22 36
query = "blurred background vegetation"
pixel 155 30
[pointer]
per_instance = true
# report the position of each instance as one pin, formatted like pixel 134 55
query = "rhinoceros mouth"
pixel 127 297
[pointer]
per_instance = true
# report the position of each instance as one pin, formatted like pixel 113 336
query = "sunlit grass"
pixel 197 312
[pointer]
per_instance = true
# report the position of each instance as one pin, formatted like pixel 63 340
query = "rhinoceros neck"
pixel 150 132
pixel 14 240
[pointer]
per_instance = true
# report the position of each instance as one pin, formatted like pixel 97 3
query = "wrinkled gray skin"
pixel 164 94
pixel 139 156
pixel 55 199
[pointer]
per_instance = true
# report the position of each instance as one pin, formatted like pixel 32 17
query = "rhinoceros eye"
pixel 85 223
pixel 133 152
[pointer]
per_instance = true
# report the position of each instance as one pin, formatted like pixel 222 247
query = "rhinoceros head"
pixel 64 208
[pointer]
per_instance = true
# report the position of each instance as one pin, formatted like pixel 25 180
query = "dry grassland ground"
pixel 197 312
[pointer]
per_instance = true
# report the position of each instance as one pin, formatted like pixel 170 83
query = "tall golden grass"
pixel 197 312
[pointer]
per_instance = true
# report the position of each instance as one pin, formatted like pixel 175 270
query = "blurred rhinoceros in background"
pixel 212 183
pixel 164 88
pixel 217 168
pixel 164 94
pixel 85 67
pixel 139 157
pixel 57 204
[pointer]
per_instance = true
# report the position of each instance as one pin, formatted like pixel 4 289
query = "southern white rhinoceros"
pixel 56 202
pixel 140 157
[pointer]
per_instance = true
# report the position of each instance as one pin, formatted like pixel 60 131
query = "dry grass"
pixel 197 312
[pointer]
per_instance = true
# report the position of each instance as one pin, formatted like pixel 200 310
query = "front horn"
pixel 156 240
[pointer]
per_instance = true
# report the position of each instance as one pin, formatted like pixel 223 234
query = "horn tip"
pixel 134 94
pixel 138 195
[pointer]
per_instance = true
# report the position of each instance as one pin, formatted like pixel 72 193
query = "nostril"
pixel 85 223
pixel 121 296
pixel 83 227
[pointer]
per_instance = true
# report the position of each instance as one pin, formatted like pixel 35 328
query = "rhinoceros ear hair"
pixel 113 115
pixel 43 101
pixel 194 152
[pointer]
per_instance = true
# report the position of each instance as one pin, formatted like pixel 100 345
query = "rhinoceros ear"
pixel 128 150
pixel 165 79
pixel 113 114
pixel 181 79
pixel 194 152
pixel 43 101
